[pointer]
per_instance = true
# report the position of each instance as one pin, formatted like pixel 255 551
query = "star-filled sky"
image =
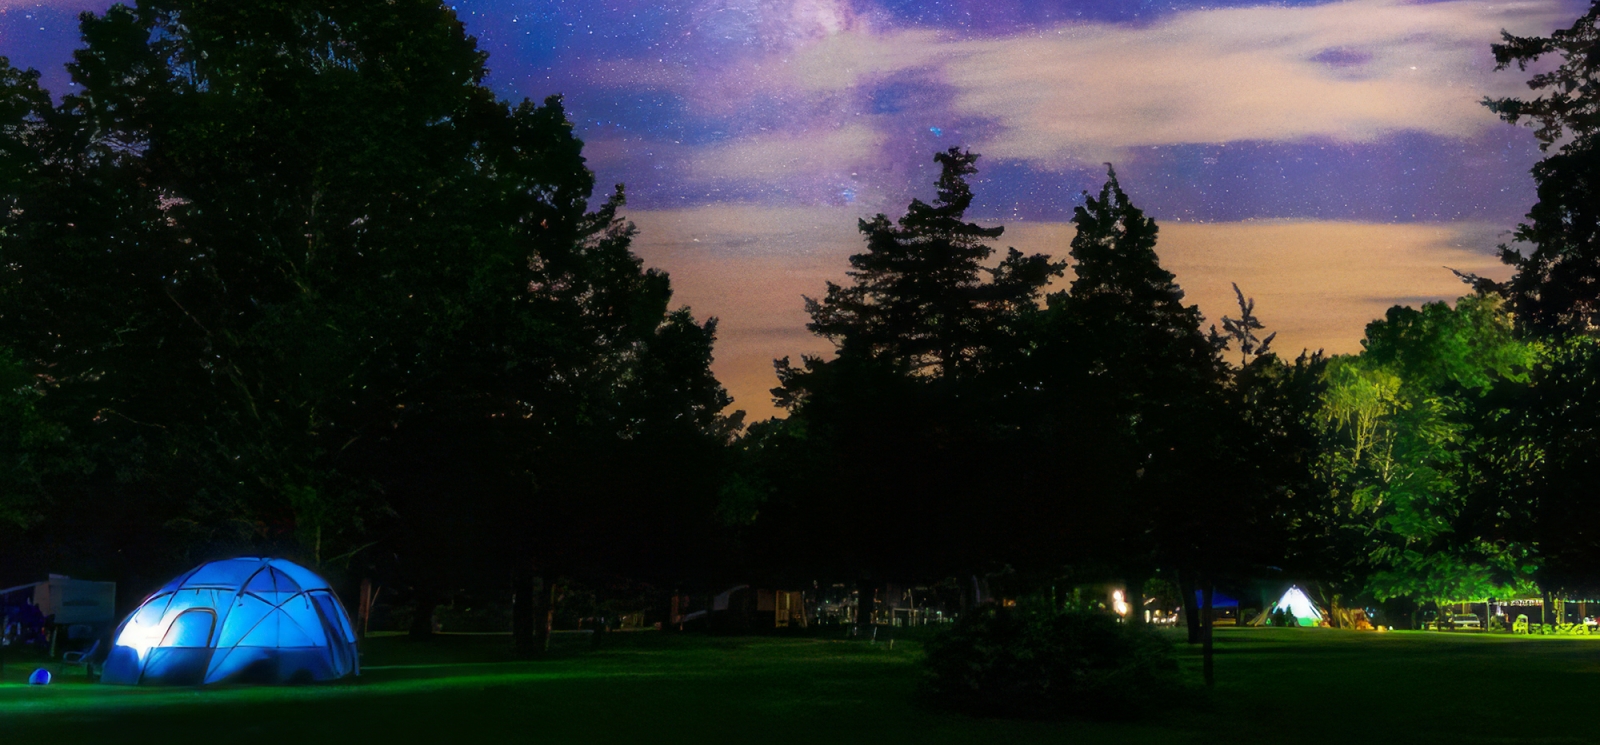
pixel 1330 157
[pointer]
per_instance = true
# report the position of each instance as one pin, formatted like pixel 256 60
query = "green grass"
pixel 1299 684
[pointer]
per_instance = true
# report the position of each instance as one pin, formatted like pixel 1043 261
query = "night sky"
pixel 1330 157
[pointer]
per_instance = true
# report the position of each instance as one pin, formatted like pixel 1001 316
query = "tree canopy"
pixel 296 278
pixel 1399 424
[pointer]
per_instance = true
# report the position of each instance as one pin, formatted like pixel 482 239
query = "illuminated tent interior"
pixel 252 620
pixel 1296 602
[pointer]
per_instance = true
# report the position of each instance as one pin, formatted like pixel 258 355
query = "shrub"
pixel 1037 662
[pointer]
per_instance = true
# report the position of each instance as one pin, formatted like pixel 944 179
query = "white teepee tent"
pixel 1296 602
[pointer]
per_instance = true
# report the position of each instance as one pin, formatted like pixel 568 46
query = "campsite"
pixel 646 686
pixel 823 371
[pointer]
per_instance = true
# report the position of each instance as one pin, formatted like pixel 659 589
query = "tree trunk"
pixel 1206 652
pixel 1134 595
pixel 544 616
pixel 422 619
pixel 1191 614
pixel 1544 607
pixel 971 593
pixel 522 613
pixel 866 603
pixel 364 614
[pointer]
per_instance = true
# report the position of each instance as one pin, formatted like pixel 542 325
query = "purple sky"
pixel 1331 157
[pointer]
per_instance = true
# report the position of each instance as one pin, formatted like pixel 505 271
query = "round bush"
pixel 1044 663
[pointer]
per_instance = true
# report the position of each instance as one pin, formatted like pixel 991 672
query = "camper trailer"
pixel 56 610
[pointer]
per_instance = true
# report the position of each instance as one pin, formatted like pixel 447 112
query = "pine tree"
pixel 919 300
pixel 886 450
pixel 1129 310
pixel 1541 468
pixel 1136 388
pixel 1556 288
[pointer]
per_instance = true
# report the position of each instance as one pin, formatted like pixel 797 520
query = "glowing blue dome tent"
pixel 248 620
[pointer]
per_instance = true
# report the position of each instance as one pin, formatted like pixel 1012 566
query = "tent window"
pixel 152 610
pixel 191 629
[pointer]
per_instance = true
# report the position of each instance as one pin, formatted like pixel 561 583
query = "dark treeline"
pixel 971 425
pixel 288 278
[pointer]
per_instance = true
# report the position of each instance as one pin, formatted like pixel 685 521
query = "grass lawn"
pixel 1274 686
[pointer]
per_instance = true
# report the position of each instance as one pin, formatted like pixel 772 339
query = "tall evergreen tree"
pixel 1143 375
pixel 913 485
pixel 1556 287
pixel 1537 460
pixel 919 300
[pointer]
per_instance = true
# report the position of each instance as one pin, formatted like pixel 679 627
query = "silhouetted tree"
pixel 1536 476
pixel 919 300
pixel 34 452
pixel 1132 367
pixel 1556 287
pixel 1242 330
pixel 901 417
pixel 301 283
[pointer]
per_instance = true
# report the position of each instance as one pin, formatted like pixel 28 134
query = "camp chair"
pixel 1521 626
pixel 90 658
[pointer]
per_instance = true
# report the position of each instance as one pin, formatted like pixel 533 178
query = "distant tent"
pixel 1296 603
pixel 239 620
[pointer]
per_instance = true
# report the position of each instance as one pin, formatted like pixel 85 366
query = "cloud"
pixel 770 156
pixel 1349 71
pixel 847 60
pixel 802 93
pixel 1316 283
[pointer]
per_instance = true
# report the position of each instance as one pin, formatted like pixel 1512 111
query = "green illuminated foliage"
pixel 1399 423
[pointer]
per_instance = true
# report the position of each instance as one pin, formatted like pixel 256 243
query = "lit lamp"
pixel 1119 603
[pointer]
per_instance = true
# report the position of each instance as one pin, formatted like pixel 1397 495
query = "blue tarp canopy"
pixel 1218 600
pixel 238 620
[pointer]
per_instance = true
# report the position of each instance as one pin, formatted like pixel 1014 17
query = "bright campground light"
pixel 1119 603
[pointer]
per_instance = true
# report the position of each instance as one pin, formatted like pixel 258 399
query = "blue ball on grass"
pixel 40 677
